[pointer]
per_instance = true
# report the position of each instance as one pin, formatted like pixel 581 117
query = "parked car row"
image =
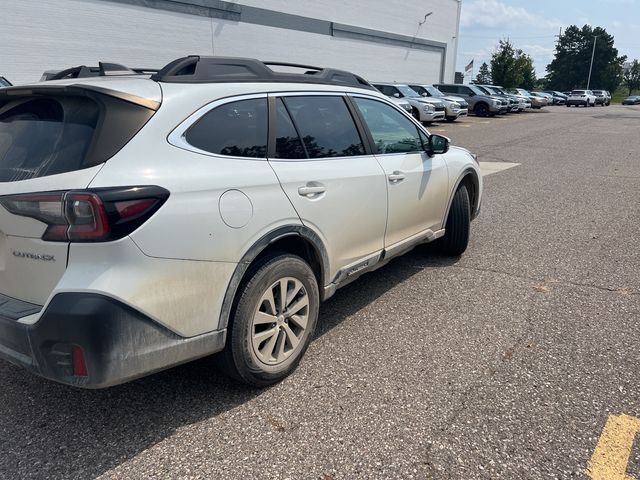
pixel 429 103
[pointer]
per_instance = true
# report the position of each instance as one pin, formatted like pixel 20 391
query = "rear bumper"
pixel 118 342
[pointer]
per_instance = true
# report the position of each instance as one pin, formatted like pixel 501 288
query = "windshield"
pixel 407 92
pixel 433 91
pixel 492 91
pixel 476 90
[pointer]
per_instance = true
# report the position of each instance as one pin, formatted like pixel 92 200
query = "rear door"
pixel 49 144
pixel 336 187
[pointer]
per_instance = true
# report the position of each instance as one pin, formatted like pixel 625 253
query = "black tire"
pixel 415 113
pixel 239 359
pixel 451 119
pixel 481 109
pixel 458 226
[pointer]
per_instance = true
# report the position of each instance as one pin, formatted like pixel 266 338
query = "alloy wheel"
pixel 280 321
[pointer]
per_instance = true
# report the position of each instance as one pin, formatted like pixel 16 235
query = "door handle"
pixel 396 177
pixel 310 190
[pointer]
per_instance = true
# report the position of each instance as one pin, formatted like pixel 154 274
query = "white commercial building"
pixel 382 40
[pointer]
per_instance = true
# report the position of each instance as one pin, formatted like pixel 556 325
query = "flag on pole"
pixel 469 68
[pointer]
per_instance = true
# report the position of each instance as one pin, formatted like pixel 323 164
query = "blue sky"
pixel 533 25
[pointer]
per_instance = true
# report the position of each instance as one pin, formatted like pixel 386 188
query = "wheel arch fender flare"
pixel 473 198
pixel 258 247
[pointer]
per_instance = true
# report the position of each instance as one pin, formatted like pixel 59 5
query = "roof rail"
pixel 197 69
pixel 102 70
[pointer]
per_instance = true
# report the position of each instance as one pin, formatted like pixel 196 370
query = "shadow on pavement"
pixel 53 431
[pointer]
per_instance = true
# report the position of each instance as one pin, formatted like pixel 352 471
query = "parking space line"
pixel 611 456
pixel 488 168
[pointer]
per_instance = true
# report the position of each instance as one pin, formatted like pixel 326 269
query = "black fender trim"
pixel 258 247
pixel 475 211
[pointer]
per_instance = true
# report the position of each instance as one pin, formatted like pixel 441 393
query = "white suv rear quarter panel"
pixel 184 296
pixel 189 226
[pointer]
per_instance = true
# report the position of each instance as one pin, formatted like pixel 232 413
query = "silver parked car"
pixel 425 110
pixel 455 107
pixel 479 102
pixel 603 97
pixel 536 102
pixel 522 102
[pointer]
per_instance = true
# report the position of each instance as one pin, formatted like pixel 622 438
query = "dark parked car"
pixel 559 98
pixel 632 100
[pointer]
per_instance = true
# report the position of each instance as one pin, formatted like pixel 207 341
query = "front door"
pixel 417 184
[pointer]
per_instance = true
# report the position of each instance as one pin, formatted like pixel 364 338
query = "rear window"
pixel 42 135
pixel 577 92
pixel 236 129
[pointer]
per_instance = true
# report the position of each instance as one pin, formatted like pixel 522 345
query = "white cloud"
pixel 493 14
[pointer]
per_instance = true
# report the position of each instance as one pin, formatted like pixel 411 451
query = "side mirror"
pixel 397 95
pixel 437 145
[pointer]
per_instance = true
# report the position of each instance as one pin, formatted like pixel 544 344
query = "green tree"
pixel 484 75
pixel 511 67
pixel 503 66
pixel 570 67
pixel 632 77
pixel 524 64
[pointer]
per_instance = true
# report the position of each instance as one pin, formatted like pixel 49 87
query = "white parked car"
pixel 424 109
pixel 581 97
pixel 209 208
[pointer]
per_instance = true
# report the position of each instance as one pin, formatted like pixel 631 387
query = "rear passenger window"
pixel 325 125
pixel 392 132
pixel 288 143
pixel 237 129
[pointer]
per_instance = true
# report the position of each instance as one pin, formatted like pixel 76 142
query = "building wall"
pixel 378 39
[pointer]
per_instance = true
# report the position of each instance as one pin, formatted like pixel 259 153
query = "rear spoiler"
pixel 77 90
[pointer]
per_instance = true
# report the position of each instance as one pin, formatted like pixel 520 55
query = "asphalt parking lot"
pixel 507 363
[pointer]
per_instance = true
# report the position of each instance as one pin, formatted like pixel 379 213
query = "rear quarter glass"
pixel 49 134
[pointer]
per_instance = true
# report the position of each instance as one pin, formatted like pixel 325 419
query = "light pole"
pixel 595 39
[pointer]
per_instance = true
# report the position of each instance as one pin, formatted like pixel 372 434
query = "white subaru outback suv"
pixel 209 208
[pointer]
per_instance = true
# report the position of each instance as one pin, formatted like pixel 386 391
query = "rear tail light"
pixel 96 215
